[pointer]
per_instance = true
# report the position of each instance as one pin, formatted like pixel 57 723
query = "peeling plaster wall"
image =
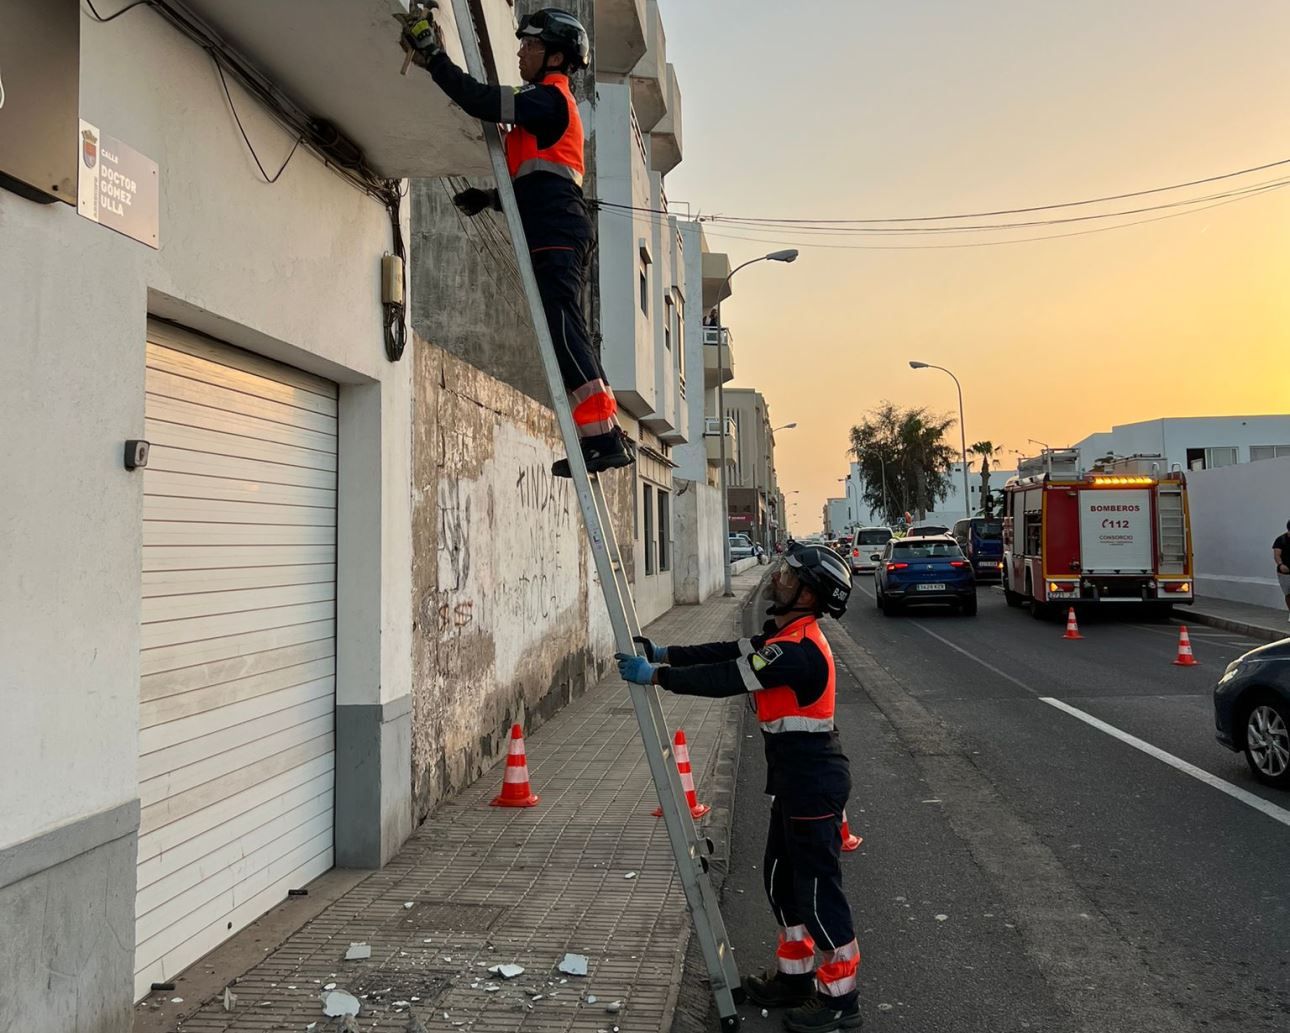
pixel 509 622
pixel 700 554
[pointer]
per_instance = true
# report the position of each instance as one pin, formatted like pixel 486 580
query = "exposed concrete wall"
pixel 1236 513
pixel 699 551
pixel 510 623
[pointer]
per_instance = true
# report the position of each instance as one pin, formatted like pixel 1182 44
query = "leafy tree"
pixel 908 446
pixel 987 450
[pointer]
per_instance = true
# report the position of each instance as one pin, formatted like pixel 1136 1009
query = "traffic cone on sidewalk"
pixel 1185 657
pixel 682 751
pixel 1072 628
pixel 850 841
pixel 516 791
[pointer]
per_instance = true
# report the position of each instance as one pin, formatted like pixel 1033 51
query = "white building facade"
pixel 1194 442
pixel 204 639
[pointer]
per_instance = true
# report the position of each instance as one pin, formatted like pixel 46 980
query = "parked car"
pixel 741 547
pixel 1252 711
pixel 866 547
pixel 930 569
pixel 981 540
pixel 926 530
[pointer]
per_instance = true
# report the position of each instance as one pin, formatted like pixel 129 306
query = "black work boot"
pixel 822 1015
pixel 777 990
pixel 601 452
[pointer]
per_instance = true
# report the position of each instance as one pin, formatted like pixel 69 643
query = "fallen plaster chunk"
pixel 358 952
pixel 630 875
pixel 614 1007
pixel 230 999
pixel 591 998
pixel 507 971
pixel 338 1002
pixel 330 986
pixel 407 905
pixel 573 965
pixel 176 1000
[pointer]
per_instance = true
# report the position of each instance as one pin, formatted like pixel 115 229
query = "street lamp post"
pixel 775 256
pixel 967 500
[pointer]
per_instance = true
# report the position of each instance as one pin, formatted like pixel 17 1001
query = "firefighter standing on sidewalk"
pixel 544 153
pixel 789 672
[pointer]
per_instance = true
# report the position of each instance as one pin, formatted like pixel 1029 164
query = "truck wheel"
pixel 1040 611
pixel 1009 596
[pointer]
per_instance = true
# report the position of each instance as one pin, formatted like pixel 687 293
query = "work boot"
pixel 601 452
pixel 777 990
pixel 820 1015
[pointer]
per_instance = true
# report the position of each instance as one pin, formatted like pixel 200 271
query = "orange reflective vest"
pixel 564 157
pixel 777 708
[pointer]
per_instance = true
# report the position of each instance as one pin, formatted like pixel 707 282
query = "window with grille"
pixel 649 528
pixel 664 530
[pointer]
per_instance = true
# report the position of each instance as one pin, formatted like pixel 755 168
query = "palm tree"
pixel 987 450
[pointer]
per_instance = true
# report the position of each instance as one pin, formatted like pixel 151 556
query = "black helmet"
pixel 559 30
pixel 824 573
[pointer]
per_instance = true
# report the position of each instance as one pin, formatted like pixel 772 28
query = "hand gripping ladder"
pixel 690 849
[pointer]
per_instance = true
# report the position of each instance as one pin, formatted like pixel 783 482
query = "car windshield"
pixel 926 530
pixel 988 529
pixel 926 551
pixel 873 537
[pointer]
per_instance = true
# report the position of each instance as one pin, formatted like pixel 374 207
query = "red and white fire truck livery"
pixel 1119 533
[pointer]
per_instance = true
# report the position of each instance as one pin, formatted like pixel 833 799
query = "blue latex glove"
pixel 635 669
pixel 654 654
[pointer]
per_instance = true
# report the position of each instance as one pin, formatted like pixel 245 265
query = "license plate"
pixel 930 588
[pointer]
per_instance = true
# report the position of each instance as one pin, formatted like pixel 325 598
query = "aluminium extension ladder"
pixel 689 848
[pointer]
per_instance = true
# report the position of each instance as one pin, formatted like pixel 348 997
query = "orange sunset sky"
pixel 850 109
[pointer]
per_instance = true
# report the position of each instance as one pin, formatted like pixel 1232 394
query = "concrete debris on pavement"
pixel 630 875
pixel 358 952
pixel 507 971
pixel 338 1003
pixel 230 999
pixel 574 964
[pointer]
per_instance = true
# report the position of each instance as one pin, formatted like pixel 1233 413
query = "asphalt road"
pixel 1024 868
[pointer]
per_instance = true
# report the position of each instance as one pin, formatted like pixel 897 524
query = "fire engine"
pixel 1118 533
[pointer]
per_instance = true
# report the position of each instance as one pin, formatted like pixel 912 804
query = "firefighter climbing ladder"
pixel 689 848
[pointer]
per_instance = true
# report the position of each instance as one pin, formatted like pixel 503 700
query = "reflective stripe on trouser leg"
pixel 836 976
pixel 795 955
pixel 594 406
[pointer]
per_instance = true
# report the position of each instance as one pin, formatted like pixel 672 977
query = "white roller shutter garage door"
pixel 237 694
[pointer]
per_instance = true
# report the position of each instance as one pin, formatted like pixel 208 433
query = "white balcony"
pixel 712 371
pixel 716 279
pixel 665 137
pixel 339 61
pixel 712 439
pixel 649 77
pixel 620 36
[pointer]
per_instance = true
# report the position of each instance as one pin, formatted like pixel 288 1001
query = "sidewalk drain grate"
pixel 448 916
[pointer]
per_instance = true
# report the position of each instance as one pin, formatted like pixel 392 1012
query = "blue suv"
pixel 931 569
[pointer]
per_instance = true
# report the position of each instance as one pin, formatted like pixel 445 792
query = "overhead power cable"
pixel 975 215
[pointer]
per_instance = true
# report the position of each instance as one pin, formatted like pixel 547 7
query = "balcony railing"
pixel 711 372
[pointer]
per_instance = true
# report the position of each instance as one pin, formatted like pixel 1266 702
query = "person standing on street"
pixel 544 154
pixel 789 676
pixel 1281 553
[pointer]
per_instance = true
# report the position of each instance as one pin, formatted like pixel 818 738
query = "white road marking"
pixel 1257 802
pixel 1274 812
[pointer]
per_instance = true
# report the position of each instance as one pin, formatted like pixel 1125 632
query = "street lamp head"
pixel 917 365
pixel 789 255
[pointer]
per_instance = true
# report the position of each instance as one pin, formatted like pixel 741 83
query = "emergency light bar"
pixel 1123 480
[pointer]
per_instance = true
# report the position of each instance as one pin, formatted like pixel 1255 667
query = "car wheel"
pixel 969 607
pixel 1267 740
pixel 888 608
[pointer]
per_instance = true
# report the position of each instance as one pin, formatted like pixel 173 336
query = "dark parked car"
pixel 981 540
pixel 924 570
pixel 1252 711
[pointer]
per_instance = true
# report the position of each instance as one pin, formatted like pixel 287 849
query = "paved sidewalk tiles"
pixel 491 885
pixel 1261 622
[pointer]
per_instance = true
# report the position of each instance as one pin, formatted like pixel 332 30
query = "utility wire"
pixel 111 17
pixel 233 108
pixel 971 215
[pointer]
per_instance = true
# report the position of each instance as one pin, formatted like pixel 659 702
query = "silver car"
pixel 741 547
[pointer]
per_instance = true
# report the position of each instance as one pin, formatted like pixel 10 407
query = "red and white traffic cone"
pixel 1185 657
pixel 850 841
pixel 516 791
pixel 682 752
pixel 1072 627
